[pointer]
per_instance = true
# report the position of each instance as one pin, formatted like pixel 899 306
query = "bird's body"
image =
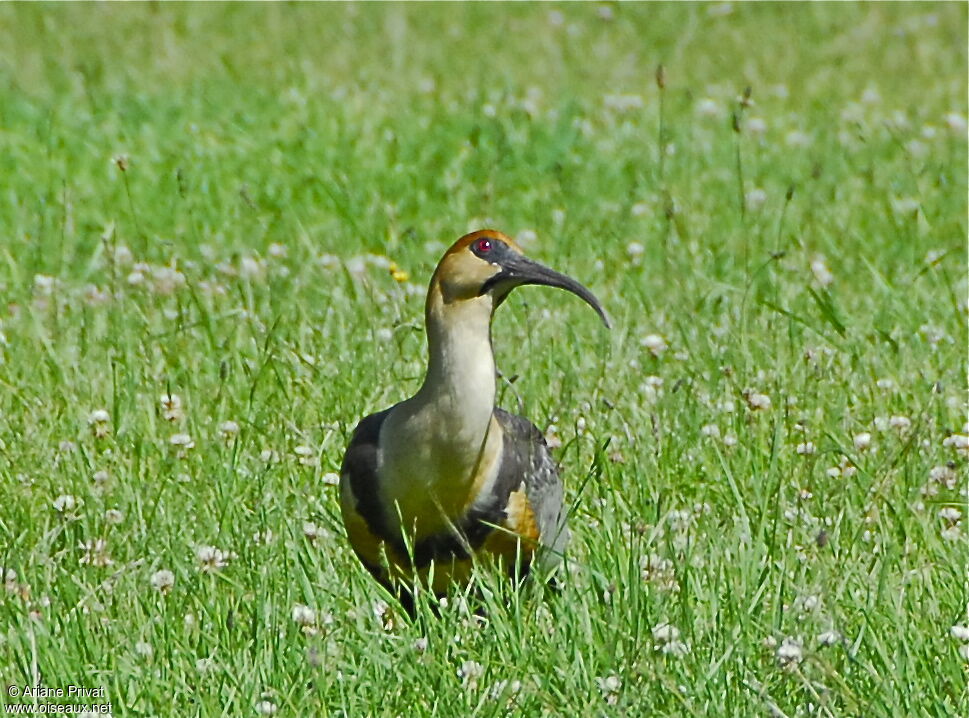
pixel 445 477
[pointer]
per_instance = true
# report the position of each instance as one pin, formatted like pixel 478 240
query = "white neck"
pixel 441 442
pixel 460 377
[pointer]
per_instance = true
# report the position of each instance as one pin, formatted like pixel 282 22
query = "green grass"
pixel 272 149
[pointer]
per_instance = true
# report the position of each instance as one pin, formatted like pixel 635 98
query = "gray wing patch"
pixel 527 461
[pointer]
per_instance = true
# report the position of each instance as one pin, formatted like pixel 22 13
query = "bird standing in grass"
pixel 445 477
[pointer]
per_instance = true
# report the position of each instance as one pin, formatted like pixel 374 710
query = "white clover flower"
pixel 181 442
pixel 144 649
pixel 640 209
pixel 828 638
pixel 212 559
pixel 303 615
pixel 379 609
pixel 263 538
pixel 651 392
pixel 266 708
pixel 470 672
pixel 659 572
pixel 955 122
pixel 806 448
pixel 862 441
pixel 99 416
pixel 710 430
pixel 500 688
pixel 819 269
pixel 677 649
pixel 420 645
pixel 950 514
pixel 314 532
pixel 789 653
pixel 251 267
pixel 552 437
pixel 871 96
pixel 331 478
pixel 44 284
pixel 306 455
pixel 959 442
pixel 113 516
pixel 952 532
pixel 277 250
pixel 945 475
pixel 65 503
pixel 756 125
pixel 707 107
pixel 755 198
pixel 654 343
pixel 96 553
pixel 635 250
pixel 885 384
pixel 901 423
pixel 960 633
pixel 665 632
pixel 9 579
pixel 167 280
pixel 95 296
pixel 228 429
pixel 171 407
pixel 135 278
pixel 162 581
pixel 610 687
pixel 122 255
pixel 757 401
pixel 729 440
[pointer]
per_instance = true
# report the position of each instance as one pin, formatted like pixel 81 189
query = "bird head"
pixel 487 265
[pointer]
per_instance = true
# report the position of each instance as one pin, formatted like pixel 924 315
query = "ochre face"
pixel 470 263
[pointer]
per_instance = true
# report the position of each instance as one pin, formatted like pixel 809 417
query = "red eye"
pixel 482 246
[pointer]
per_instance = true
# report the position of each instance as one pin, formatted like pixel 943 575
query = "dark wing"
pixel 363 514
pixel 528 467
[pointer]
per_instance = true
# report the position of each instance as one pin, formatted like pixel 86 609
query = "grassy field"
pixel 766 457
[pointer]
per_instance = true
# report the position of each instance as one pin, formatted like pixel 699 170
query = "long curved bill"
pixel 518 269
